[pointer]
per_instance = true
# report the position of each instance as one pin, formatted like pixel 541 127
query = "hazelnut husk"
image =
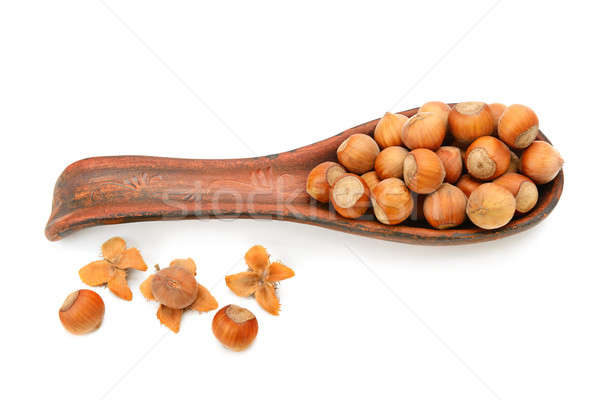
pixel 235 327
pixel 491 206
pixel 446 207
pixel 523 188
pixel 350 196
pixel 424 130
pixel 453 162
pixel 541 162
pixel 321 178
pixel 467 184
pixel 436 107
pixel 82 312
pixel 469 120
pixel 174 287
pixel 390 162
pixel 487 158
pixel 112 270
pixel 371 179
pixel 388 129
pixel 392 201
pixel 518 126
pixel 261 279
pixel 423 171
pixel 357 153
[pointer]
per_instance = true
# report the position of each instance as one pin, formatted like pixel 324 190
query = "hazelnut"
pixel 350 196
pixel 392 201
pixel 235 327
pixel 390 162
pixel 446 207
pixel 358 153
pixel 371 179
pixel 523 188
pixel 453 163
pixel 418 201
pixel 487 158
pixel 437 107
pixel 518 126
pixel 469 120
pixel 515 163
pixel 490 206
pixel 174 287
pixel 541 162
pixel 496 109
pixel 321 178
pixel 387 131
pixel 82 312
pixel 467 184
pixel 423 171
pixel 424 130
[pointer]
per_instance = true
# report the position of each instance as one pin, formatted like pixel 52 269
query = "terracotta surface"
pixel 112 190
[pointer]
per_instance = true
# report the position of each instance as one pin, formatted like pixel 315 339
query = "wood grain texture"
pixel 113 190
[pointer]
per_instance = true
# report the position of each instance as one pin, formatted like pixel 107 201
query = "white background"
pixel 512 319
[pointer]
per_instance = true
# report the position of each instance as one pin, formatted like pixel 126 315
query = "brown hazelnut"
pixel 490 206
pixel 418 201
pixel 390 162
pixel 467 184
pixel 518 126
pixel 496 109
pixel 357 153
pixel 423 171
pixel 82 312
pixel 174 287
pixel 424 130
pixel 487 158
pixel 350 196
pixel 541 162
pixel 515 163
pixel 235 327
pixel 388 129
pixel 437 107
pixel 371 179
pixel 392 201
pixel 453 163
pixel 446 207
pixel 523 188
pixel 321 178
pixel 469 120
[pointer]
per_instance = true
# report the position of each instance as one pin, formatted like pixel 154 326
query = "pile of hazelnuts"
pixel 488 171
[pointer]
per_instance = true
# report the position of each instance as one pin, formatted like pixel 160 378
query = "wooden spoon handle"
pixel 105 190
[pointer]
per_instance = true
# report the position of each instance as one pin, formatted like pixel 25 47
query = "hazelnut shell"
pixel 235 327
pixel 82 312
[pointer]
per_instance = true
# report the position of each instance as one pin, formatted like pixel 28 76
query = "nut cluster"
pixel 444 165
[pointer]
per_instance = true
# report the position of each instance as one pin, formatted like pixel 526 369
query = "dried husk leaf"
pixel 187 264
pixel 118 284
pixel 243 284
pixel 279 272
pixel 112 249
pixel 267 299
pixel 170 317
pixel 96 273
pixel 146 288
pixel 205 301
pixel 131 258
pixel 257 258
